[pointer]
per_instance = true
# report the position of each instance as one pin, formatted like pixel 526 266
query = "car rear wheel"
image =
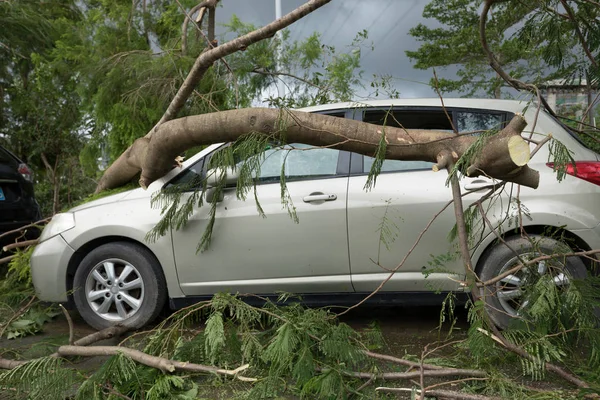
pixel 119 283
pixel 507 300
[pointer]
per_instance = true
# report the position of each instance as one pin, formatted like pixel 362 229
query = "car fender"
pixel 130 220
pixel 569 221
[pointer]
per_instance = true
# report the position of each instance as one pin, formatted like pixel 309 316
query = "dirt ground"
pixel 405 329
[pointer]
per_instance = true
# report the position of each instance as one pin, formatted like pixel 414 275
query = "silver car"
pixel 347 238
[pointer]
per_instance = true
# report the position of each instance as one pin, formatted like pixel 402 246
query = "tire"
pixel 134 296
pixel 504 301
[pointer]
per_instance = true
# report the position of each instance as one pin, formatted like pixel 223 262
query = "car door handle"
pixel 314 197
pixel 479 184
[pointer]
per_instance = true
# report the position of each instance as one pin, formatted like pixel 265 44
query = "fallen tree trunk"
pixel 504 157
pixel 205 60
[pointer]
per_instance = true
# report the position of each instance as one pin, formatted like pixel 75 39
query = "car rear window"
pixel 6 157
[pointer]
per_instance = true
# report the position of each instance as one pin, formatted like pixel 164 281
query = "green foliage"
pixel 561 157
pixel 293 351
pixel 470 155
pixel 388 229
pixel 380 153
pixel 312 71
pixel 282 344
pixel 214 335
pixel 31 321
pixel 23 315
pixel 19 272
pixel 245 155
pixel 531 40
pixel 559 323
pixel 43 378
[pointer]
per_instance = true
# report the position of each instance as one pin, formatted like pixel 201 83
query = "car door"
pixel 385 222
pixel 250 253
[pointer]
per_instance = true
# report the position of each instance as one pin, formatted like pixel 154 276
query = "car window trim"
pixel 357 160
pixel 342 169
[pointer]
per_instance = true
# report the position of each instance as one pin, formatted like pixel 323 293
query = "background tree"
pixel 533 41
pixel 41 117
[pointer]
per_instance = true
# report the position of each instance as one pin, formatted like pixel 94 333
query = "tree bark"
pixel 19 245
pixel 201 9
pixel 163 364
pixel 413 375
pixel 155 157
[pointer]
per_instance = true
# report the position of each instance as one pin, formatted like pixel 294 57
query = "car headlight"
pixel 59 224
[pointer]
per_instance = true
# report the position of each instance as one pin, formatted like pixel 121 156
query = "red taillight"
pixel 586 170
pixel 25 172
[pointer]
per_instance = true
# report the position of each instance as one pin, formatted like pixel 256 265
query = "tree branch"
pixel 25 243
pixel 515 83
pixel 154 157
pixel 163 364
pixel 401 361
pixel 412 375
pixel 69 321
pixel 5 260
pixel 10 364
pixel 206 59
pixel 582 40
pixel 120 171
pixel 535 261
pixel 201 9
pixel 107 333
pixel 500 339
pixel 445 394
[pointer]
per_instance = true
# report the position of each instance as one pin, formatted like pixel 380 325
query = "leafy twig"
pixel 32 225
pixel 16 315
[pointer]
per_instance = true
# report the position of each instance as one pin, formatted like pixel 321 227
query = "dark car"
pixel 17 202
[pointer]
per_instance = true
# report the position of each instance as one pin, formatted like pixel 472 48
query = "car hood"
pixel 104 200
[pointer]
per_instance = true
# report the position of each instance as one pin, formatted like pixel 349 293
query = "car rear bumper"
pixel 49 263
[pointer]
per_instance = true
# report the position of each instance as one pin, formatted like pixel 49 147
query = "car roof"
pixel 492 104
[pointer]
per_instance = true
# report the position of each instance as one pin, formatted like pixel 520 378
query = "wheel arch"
pixel 558 233
pixel 84 250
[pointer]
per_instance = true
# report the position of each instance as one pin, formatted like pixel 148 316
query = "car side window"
pixel 478 121
pixel 193 175
pixel 408 119
pixel 434 119
pixel 298 161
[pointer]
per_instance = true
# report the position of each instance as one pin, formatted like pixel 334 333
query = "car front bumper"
pixel 49 263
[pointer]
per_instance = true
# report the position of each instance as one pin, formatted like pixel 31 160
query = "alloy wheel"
pixel 114 289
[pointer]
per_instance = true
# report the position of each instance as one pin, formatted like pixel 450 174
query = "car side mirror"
pixel 214 176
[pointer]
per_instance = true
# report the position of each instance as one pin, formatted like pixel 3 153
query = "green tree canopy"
pixel 534 41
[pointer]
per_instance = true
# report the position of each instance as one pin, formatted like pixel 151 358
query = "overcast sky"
pixel 387 22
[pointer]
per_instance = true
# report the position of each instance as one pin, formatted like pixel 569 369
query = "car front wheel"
pixel 119 283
